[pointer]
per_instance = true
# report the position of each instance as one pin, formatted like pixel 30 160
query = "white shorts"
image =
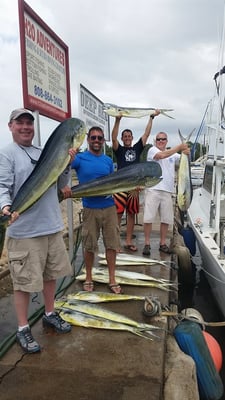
pixel 158 202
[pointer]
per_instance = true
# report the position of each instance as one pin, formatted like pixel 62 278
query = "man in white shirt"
pixel 159 197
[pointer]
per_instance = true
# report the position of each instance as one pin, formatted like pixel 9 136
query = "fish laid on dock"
pixel 102 297
pixel 184 185
pixel 90 321
pixel 132 112
pixel 141 175
pixel 98 311
pixel 129 274
pixel 126 281
pixel 53 161
pixel 122 262
pixel 126 259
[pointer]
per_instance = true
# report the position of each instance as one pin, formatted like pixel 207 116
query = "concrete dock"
pixel 95 364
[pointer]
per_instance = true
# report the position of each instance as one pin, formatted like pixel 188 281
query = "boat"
pixel 197 172
pixel 206 214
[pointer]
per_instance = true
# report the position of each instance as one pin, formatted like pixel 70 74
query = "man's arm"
pixel 115 131
pixel 148 128
pixel 169 152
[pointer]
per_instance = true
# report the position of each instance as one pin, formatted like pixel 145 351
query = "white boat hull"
pixel 213 263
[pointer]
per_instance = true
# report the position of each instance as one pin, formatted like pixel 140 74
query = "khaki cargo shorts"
pixel 100 221
pixel 34 260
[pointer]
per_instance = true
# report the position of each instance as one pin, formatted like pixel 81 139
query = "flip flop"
pixel 130 247
pixel 118 251
pixel 115 288
pixel 88 286
pixel 164 248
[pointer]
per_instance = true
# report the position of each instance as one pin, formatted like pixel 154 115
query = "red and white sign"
pixel 45 67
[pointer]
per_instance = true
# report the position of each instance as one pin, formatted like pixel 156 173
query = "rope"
pixel 152 307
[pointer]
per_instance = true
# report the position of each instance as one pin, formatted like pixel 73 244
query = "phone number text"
pixel 47 96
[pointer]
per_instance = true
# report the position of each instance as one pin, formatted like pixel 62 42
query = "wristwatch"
pixel 152 116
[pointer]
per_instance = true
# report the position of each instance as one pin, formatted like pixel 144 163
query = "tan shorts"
pixel 158 202
pixel 96 221
pixel 36 259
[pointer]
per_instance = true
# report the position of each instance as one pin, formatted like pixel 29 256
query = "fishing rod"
pixel 199 132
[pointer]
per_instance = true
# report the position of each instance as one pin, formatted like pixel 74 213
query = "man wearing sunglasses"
pixel 99 213
pixel 126 155
pixel 159 197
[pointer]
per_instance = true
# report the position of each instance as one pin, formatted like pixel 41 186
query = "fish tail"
pixel 145 334
pixel 183 139
pixel 166 115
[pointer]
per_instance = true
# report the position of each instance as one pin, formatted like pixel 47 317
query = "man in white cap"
pixel 36 250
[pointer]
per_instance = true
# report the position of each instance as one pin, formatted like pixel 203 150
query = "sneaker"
pixel 26 341
pixel 56 322
pixel 146 250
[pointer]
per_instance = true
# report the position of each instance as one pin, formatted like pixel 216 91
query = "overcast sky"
pixel 145 53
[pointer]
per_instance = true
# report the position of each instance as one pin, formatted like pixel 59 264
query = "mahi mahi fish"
pixel 122 263
pixel 52 162
pixel 90 321
pixel 102 297
pixel 126 281
pixel 136 259
pixel 132 112
pixel 98 311
pixel 184 185
pixel 129 274
pixel 141 175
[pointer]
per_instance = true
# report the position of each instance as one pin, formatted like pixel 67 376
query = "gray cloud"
pixel 146 53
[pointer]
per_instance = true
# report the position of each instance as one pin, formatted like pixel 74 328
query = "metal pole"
pixel 37 135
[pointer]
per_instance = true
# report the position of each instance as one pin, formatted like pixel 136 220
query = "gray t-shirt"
pixel 44 217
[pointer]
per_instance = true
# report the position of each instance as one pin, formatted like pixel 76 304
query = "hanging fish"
pixel 141 175
pixel 184 185
pixel 132 112
pixel 52 162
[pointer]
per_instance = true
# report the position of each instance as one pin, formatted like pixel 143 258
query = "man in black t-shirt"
pixel 126 155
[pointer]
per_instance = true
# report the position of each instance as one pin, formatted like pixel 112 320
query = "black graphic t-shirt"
pixel 128 155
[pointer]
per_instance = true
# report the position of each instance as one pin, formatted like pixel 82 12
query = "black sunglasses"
pixel 161 139
pixel 94 137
